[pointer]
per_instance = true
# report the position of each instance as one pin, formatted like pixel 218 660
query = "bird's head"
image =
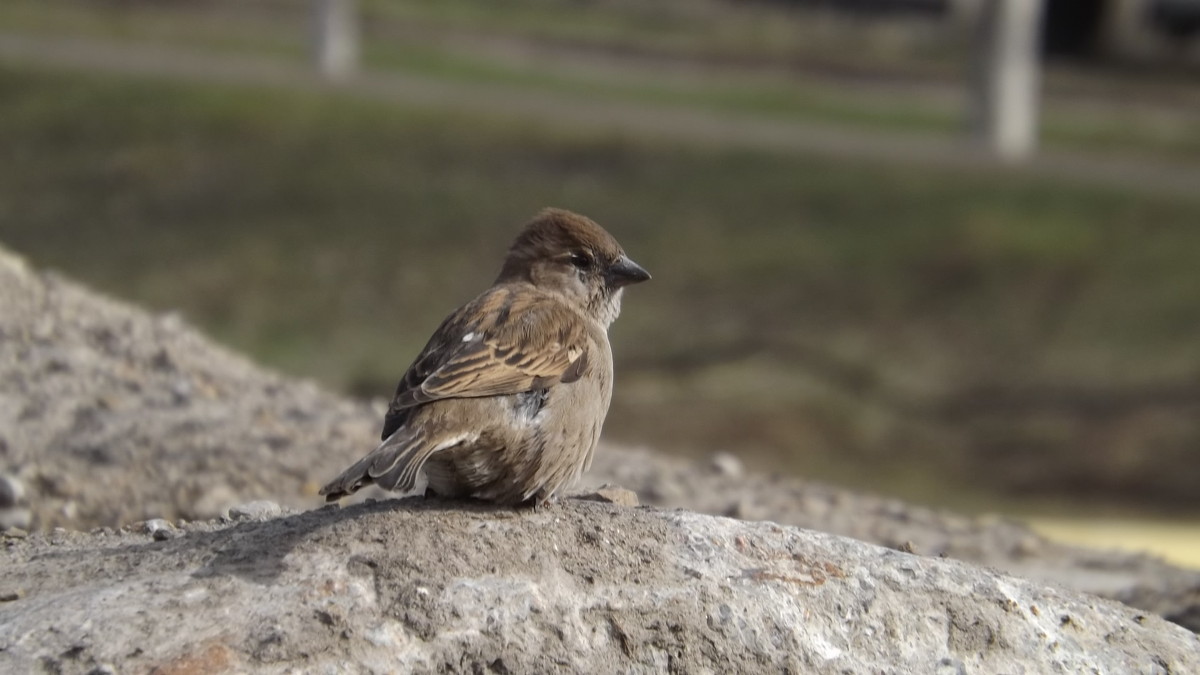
pixel 568 254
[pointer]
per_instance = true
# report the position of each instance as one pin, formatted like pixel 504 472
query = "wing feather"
pixel 507 341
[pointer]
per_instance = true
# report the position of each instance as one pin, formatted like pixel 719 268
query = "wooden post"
pixel 1007 77
pixel 335 37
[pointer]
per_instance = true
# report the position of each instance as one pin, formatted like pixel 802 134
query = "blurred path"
pixel 1177 542
pixel 662 122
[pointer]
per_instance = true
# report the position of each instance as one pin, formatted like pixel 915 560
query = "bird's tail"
pixel 394 465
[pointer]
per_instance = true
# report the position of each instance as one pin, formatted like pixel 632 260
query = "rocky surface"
pixel 109 415
pixel 428 586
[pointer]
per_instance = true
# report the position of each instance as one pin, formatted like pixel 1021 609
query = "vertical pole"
pixel 1007 77
pixel 335 37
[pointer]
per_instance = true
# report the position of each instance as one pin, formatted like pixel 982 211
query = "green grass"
pixel 751 60
pixel 774 98
pixel 683 30
pixel 224 28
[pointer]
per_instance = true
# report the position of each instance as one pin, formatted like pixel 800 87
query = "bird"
pixel 506 402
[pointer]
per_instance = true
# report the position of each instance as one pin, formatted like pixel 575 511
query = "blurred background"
pixel 947 250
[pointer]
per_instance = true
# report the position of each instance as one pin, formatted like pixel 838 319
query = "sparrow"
pixel 506 401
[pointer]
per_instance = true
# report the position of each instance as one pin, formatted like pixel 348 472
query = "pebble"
pixel 612 494
pixel 160 529
pixel 181 391
pixel 259 510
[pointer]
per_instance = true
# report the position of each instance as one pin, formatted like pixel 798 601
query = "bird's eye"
pixel 581 260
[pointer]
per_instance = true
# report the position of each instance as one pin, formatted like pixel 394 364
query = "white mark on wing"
pixel 468 337
pixel 455 440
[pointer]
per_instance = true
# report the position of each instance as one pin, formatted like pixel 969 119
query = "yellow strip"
pixel 1178 542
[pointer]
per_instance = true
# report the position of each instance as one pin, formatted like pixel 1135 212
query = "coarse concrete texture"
pixel 428 586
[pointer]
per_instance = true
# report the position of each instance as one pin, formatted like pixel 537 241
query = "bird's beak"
pixel 625 272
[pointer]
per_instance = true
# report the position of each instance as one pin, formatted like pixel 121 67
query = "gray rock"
pixel 259 510
pixel 428 586
pixel 145 407
pixel 612 494
pixel 159 529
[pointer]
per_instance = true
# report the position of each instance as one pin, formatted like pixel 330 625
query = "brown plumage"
pixel 507 399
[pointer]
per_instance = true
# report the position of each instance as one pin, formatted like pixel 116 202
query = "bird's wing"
pixel 504 342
